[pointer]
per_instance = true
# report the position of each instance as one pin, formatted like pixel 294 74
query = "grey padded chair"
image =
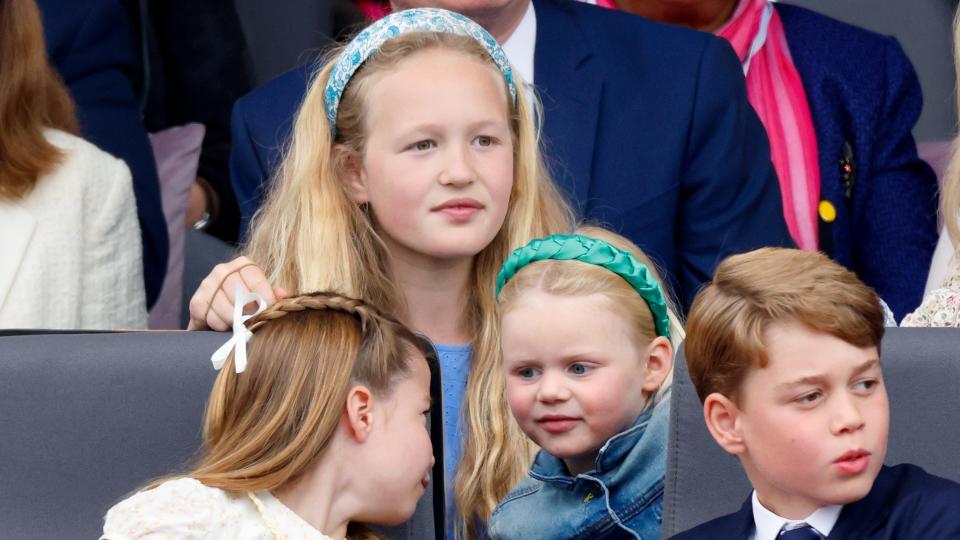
pixel 921 369
pixel 86 419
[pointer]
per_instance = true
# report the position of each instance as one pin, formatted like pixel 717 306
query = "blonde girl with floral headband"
pixel 317 423
pixel 412 172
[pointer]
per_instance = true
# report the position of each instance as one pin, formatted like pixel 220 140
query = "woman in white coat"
pixel 70 255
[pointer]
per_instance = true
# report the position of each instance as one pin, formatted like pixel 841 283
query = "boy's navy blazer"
pixel 904 502
pixel 865 99
pixel 647 128
pixel 89 45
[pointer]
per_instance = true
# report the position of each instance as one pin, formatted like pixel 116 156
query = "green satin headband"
pixel 574 247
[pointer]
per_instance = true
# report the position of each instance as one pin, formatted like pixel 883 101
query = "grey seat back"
pixel 921 369
pixel 86 419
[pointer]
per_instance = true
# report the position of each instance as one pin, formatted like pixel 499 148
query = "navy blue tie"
pixel 805 532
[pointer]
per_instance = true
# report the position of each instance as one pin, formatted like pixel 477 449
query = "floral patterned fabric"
pixel 185 509
pixel 941 307
pixel 374 36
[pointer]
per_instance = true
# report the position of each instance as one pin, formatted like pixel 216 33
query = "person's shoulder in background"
pixel 88 43
pixel 261 122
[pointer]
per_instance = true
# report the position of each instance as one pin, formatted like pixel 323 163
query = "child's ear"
pixel 659 364
pixel 723 421
pixel 350 167
pixel 359 413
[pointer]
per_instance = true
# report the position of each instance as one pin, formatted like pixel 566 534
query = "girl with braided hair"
pixel 318 422
pixel 412 172
pixel 586 331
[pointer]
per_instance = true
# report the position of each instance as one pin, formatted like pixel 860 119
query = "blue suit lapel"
pixel 570 87
pixel 825 109
pixel 742 521
pixel 862 519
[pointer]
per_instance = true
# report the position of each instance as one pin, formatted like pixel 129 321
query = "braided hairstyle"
pixel 267 425
pixel 320 301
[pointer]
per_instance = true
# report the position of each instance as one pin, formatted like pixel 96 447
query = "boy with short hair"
pixel 783 349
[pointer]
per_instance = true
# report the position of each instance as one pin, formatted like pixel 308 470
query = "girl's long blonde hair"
pixel 575 278
pixel 309 235
pixel 950 198
pixel 266 426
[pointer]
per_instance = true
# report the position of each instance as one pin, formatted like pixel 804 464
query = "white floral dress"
pixel 941 307
pixel 186 509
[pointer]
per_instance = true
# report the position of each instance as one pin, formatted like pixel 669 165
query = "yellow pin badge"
pixel 828 213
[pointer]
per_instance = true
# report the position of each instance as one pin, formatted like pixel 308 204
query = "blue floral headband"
pixel 575 247
pixel 369 41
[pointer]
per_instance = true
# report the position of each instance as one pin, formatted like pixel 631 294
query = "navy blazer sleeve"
pixel 247 172
pixel 897 215
pixel 259 128
pixel 89 45
pixel 730 200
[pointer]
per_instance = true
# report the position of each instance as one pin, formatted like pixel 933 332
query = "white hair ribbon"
pixel 241 335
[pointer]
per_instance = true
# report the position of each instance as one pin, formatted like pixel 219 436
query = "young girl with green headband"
pixel 586 332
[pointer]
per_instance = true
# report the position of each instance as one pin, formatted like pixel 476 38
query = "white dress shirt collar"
pixel 521 44
pixel 767 525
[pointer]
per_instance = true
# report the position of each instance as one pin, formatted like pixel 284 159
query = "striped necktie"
pixel 803 532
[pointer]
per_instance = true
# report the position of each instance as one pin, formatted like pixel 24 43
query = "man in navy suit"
pixel 89 45
pixel 783 350
pixel 646 127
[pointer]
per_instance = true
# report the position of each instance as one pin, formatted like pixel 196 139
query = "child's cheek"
pixel 520 401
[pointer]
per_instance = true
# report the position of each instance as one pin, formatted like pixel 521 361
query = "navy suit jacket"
pixel 905 502
pixel 647 128
pixel 865 99
pixel 89 45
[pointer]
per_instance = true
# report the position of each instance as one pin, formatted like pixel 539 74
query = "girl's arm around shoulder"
pixel 182 508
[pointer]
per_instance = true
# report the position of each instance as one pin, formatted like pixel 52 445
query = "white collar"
pixel 767 525
pixel 521 44
pixel 280 520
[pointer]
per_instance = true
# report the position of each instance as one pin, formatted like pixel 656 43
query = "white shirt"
pixel 186 509
pixel 520 46
pixel 767 525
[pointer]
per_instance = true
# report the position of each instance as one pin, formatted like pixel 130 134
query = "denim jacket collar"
pixel 629 445
pixel 621 498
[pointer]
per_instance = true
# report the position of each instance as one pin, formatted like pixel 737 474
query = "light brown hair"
pixel 751 291
pixel 32 98
pixel 309 235
pixel 575 278
pixel 950 197
pixel 264 427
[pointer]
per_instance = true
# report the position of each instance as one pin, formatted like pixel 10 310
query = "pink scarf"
pixel 776 93
pixel 374 10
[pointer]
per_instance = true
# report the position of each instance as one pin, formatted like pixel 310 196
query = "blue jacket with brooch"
pixel 865 99
pixel 621 498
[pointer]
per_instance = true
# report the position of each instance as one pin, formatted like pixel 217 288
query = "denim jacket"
pixel 621 498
